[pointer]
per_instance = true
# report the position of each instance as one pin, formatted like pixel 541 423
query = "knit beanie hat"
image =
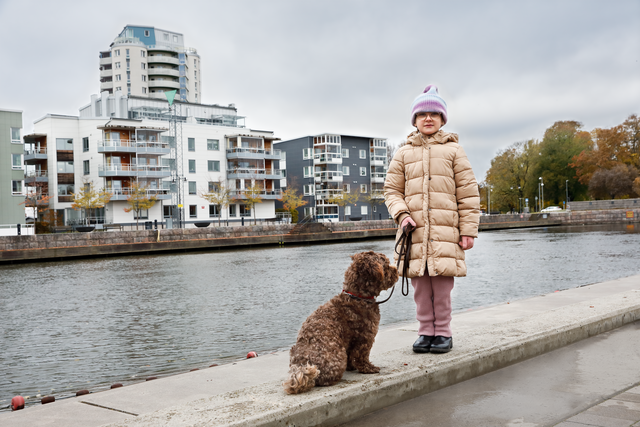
pixel 429 102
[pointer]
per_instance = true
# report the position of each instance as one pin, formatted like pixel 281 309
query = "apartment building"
pixel 177 155
pixel 11 170
pixel 147 61
pixel 324 166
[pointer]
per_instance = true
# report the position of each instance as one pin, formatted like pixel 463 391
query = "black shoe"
pixel 441 344
pixel 422 344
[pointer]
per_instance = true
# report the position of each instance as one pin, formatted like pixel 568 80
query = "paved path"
pixel 495 342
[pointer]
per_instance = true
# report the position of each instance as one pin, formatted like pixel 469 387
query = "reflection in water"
pixel 91 323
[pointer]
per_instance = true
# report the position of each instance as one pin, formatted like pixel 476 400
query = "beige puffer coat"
pixel 430 178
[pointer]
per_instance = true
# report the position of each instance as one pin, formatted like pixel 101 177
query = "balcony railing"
pixel 35 154
pixel 124 193
pixel 36 175
pixel 327 194
pixel 134 170
pixel 254 172
pixel 265 194
pixel 133 146
pixel 378 177
pixel 328 176
pixel 327 158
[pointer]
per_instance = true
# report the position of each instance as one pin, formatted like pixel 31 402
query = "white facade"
pixel 118 140
pixel 147 62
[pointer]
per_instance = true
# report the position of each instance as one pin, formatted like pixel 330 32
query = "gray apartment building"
pixel 12 170
pixel 324 166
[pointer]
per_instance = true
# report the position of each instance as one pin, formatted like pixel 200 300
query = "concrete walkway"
pixel 488 341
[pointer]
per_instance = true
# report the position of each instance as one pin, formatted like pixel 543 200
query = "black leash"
pixel 404 241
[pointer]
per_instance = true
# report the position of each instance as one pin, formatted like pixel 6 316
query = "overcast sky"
pixel 507 69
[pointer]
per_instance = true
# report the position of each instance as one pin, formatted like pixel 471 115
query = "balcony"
pixel 106 73
pixel 145 171
pixel 327 194
pixel 323 158
pixel 239 173
pixel 378 161
pixel 328 176
pixel 65 199
pixel 161 71
pixel 164 84
pixel 36 176
pixel 162 59
pixel 132 146
pixel 106 86
pixel 253 153
pixel 378 178
pixel 121 194
pixel 35 154
pixel 105 61
pixel 264 194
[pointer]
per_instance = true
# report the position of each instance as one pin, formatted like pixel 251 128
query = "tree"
pixel 636 186
pixel 391 150
pixel 139 200
pixel 90 198
pixel 616 182
pixel 252 196
pixel 291 200
pixel 343 199
pixel 218 195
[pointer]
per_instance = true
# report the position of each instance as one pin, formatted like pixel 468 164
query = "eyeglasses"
pixel 424 116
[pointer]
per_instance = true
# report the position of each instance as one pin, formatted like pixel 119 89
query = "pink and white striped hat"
pixel 429 101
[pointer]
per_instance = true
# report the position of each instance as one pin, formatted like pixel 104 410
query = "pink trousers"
pixel 432 295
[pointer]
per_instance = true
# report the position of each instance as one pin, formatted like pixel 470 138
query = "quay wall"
pixel 63 246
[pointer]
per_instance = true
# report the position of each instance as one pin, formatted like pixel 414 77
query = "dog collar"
pixel 358 296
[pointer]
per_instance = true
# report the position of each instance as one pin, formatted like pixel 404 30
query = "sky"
pixel 507 69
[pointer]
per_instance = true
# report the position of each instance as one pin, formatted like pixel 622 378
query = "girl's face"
pixel 428 123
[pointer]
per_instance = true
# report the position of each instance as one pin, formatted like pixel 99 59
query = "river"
pixel 87 324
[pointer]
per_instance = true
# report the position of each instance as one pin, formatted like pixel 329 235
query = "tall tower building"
pixel 148 61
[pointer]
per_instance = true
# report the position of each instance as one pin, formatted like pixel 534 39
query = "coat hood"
pixel 440 137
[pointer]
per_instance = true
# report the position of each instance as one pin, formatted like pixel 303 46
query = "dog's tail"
pixel 301 378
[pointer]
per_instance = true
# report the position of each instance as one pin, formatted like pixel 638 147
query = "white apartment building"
pixel 148 61
pixel 117 140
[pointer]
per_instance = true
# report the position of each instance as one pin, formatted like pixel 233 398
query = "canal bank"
pixel 65 246
pixel 248 393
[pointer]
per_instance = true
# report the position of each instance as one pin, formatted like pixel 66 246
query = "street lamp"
pixel 566 189
pixel 541 193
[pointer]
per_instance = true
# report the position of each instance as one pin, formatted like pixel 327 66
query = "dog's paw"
pixel 370 369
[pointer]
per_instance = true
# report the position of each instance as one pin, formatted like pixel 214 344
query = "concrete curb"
pixel 404 375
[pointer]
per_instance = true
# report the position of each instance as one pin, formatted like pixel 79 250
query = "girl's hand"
pixel 466 242
pixel 407 220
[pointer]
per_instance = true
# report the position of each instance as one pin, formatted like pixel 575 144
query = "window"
pixel 192 187
pixel 143 53
pixel 213 145
pixel 364 210
pixel 16 188
pixel 128 63
pixel 116 52
pixel 117 65
pixel 213 166
pixel 308 212
pixel 347 210
pixel 306 171
pixel 144 90
pixel 15 136
pixel 308 190
pixel 346 188
pixel 175 39
pixel 345 170
pixel 213 187
pixel 16 161
pixel 195 75
pixel 363 188
pixel 65 167
pixel 64 144
pixel 306 153
pixel 143 65
pixel 146 33
pixel 345 153
pixel 245 211
pixel 194 62
pixel 165 36
pixel 214 211
pixel 193 211
pixel 127 54
pixel 118 87
pixel 85 144
pixel 118 77
pixel 144 78
pixel 232 210
pixel 363 171
pixel 363 154
pixel 65 189
pixel 192 144
pixel 144 214
pixel 128 75
pixel 85 167
pixel 192 166
pixel 196 85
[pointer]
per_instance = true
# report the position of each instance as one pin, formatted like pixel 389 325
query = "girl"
pixel 430 184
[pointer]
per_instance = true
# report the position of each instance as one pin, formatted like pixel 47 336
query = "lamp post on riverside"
pixel 541 193
pixel 566 189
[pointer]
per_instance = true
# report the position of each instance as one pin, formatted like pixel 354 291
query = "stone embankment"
pixel 33 248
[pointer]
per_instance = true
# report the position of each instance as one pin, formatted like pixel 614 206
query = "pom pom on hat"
pixel 429 101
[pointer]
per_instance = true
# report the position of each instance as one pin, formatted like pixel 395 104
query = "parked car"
pixel 552 209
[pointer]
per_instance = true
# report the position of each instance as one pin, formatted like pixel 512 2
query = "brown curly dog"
pixel 338 336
